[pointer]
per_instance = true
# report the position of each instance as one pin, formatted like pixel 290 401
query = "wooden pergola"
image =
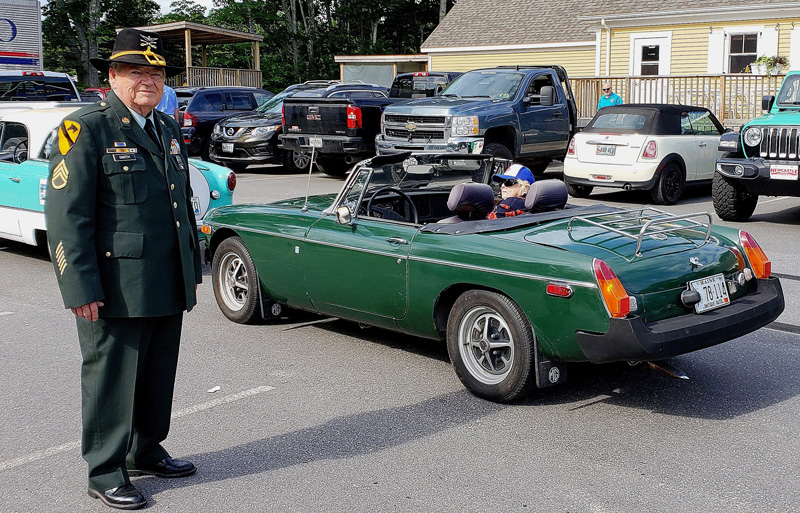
pixel 198 34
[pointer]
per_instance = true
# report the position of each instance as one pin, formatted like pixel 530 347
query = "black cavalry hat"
pixel 134 46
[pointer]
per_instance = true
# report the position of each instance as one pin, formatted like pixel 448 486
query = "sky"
pixel 164 4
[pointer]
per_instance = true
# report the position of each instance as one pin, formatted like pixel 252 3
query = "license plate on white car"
pixel 783 172
pixel 606 149
pixel 713 293
pixel 227 147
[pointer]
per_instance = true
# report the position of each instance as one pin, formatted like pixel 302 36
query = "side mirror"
pixel 767 101
pixel 548 94
pixel 344 216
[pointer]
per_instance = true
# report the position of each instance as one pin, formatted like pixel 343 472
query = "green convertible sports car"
pixel 406 246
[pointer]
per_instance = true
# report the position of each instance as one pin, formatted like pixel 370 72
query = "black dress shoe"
pixel 121 497
pixel 167 467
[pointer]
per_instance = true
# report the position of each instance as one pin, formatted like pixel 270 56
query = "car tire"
pixel 333 166
pixel 205 150
pixel 235 281
pixel 501 373
pixel 731 201
pixel 669 186
pixel 498 150
pixel 579 191
pixel 296 161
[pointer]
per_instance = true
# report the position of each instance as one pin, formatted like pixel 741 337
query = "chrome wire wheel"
pixel 486 345
pixel 234 281
pixel 301 159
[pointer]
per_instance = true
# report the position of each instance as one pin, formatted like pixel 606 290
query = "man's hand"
pixel 88 312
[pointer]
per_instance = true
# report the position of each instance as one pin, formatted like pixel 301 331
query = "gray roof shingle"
pixel 518 22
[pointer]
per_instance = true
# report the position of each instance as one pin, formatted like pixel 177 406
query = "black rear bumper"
pixel 338 144
pixel 630 339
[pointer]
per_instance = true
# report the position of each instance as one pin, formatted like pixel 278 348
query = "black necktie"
pixel 151 131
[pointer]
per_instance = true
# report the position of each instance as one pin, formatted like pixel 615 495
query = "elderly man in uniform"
pixel 125 251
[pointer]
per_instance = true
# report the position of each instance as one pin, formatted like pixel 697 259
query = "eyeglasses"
pixel 606 89
pixel 509 182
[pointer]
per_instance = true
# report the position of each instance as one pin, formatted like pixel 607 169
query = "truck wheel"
pixel 333 166
pixel 579 191
pixel 295 161
pixel 235 281
pixel 669 187
pixel 491 345
pixel 732 202
pixel 499 151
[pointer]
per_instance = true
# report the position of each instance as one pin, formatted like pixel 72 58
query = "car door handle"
pixel 396 240
pixel 702 144
pixel 557 114
pixel 14 179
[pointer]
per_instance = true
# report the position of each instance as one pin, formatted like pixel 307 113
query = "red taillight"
pixel 571 149
pixel 231 181
pixel 353 116
pixel 421 74
pixel 650 151
pixel 762 267
pixel 559 290
pixel 283 115
pixel 614 295
pixel 30 73
pixel 189 119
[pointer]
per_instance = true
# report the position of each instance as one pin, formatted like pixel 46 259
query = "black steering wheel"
pixel 403 195
pixel 20 152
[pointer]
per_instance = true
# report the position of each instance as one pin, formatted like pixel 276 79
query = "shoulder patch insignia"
pixel 61 259
pixel 67 135
pixel 60 176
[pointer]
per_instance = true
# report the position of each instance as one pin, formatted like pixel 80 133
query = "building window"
pixel 742 51
pixel 650 59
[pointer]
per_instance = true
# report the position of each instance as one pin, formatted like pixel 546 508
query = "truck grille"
pixel 432 120
pixel 779 143
pixel 427 135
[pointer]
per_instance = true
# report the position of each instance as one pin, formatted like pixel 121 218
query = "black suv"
pixel 210 104
pixel 252 138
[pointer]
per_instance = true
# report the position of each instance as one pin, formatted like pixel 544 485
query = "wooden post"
pixel 257 56
pixel 187 41
pixel 205 65
pixel 722 99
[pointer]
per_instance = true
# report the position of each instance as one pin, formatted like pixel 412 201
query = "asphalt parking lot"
pixel 313 414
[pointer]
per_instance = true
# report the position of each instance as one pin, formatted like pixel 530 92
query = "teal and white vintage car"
pixel 406 246
pixel 26 137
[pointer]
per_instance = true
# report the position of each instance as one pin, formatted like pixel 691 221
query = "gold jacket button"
pixel 124 168
pixel 178 224
pixel 175 204
pixel 172 186
pixel 108 253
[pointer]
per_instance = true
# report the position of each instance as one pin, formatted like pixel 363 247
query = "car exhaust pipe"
pixel 350 159
pixel 627 186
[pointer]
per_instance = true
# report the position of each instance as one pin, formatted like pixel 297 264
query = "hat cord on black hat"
pixel 153 58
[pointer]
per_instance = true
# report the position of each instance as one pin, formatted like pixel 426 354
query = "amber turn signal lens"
pixel 205 229
pixel 762 267
pixel 614 295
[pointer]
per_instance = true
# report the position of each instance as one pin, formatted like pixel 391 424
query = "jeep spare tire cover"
pixel 201 194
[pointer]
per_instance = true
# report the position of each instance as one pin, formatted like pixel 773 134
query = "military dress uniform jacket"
pixel 120 222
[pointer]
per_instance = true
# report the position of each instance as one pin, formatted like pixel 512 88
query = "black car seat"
pixel 469 201
pixel 546 195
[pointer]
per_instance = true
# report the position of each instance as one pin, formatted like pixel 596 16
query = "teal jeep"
pixel 763 158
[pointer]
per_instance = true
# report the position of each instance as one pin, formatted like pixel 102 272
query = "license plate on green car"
pixel 713 293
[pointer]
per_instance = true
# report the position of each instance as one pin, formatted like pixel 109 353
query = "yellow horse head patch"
pixel 67 135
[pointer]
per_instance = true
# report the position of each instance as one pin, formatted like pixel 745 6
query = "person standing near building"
pixel 125 252
pixel 169 102
pixel 609 97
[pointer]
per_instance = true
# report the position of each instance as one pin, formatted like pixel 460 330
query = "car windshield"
pixel 790 91
pixel 485 84
pixel 274 104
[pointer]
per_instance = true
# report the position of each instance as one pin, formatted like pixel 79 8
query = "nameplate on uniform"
pixel 121 150
pixel 179 162
pixel 174 147
pixel 123 157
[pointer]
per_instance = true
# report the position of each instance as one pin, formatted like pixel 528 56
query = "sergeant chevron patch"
pixel 61 259
pixel 60 176
pixel 67 135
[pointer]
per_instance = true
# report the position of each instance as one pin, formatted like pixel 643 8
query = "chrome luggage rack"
pixel 638 223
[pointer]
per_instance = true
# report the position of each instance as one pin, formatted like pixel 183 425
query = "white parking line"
pixel 6 313
pixel 51 451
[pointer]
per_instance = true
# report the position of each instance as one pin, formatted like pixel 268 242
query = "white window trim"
pixel 762 41
pixel 667 50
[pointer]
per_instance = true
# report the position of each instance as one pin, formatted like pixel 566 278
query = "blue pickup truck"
pixel 524 113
